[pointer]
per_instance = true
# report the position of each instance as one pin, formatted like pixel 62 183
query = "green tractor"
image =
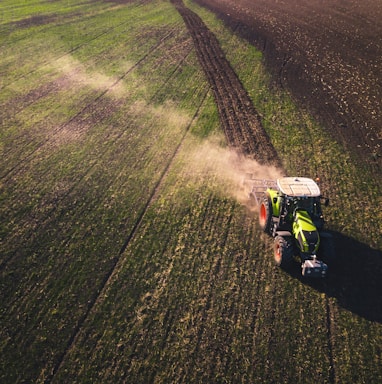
pixel 290 211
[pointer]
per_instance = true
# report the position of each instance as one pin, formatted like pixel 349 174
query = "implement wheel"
pixel 265 215
pixel 283 251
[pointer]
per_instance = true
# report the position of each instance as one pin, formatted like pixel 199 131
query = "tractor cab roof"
pixel 298 187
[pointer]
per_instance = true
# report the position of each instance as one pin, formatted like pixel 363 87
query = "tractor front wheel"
pixel 283 251
pixel 265 215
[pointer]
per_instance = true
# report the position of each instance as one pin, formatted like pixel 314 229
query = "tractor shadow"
pixel 354 278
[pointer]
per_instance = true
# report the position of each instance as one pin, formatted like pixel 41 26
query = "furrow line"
pixel 229 97
pixel 330 323
pixel 171 74
pixel 223 90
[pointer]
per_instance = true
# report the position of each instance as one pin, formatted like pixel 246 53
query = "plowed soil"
pixel 238 117
pixel 328 54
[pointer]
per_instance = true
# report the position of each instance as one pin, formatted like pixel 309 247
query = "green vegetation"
pixel 122 259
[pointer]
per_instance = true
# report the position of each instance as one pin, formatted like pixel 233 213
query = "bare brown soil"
pixel 238 117
pixel 328 53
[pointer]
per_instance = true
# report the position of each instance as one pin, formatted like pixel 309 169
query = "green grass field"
pixel 126 255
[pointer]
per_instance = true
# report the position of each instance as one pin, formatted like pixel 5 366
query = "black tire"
pixel 265 215
pixel 283 251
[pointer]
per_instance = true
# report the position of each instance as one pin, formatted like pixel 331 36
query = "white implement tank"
pixel 289 186
pixel 298 187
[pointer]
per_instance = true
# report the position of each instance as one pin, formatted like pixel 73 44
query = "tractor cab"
pixel 300 194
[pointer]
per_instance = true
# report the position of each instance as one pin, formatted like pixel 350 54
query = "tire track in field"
pixel 114 267
pixel 238 117
pixel 330 334
pixel 173 72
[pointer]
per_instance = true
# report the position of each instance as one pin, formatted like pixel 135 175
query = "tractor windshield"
pixel 306 204
pixel 312 206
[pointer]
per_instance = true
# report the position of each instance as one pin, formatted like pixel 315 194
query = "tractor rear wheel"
pixel 283 251
pixel 265 215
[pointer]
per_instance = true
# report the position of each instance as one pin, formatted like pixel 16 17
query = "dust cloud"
pixel 228 169
pixel 77 73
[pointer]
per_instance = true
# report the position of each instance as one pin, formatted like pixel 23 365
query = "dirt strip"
pixel 238 117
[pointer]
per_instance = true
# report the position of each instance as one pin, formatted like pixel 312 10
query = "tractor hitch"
pixel 314 268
